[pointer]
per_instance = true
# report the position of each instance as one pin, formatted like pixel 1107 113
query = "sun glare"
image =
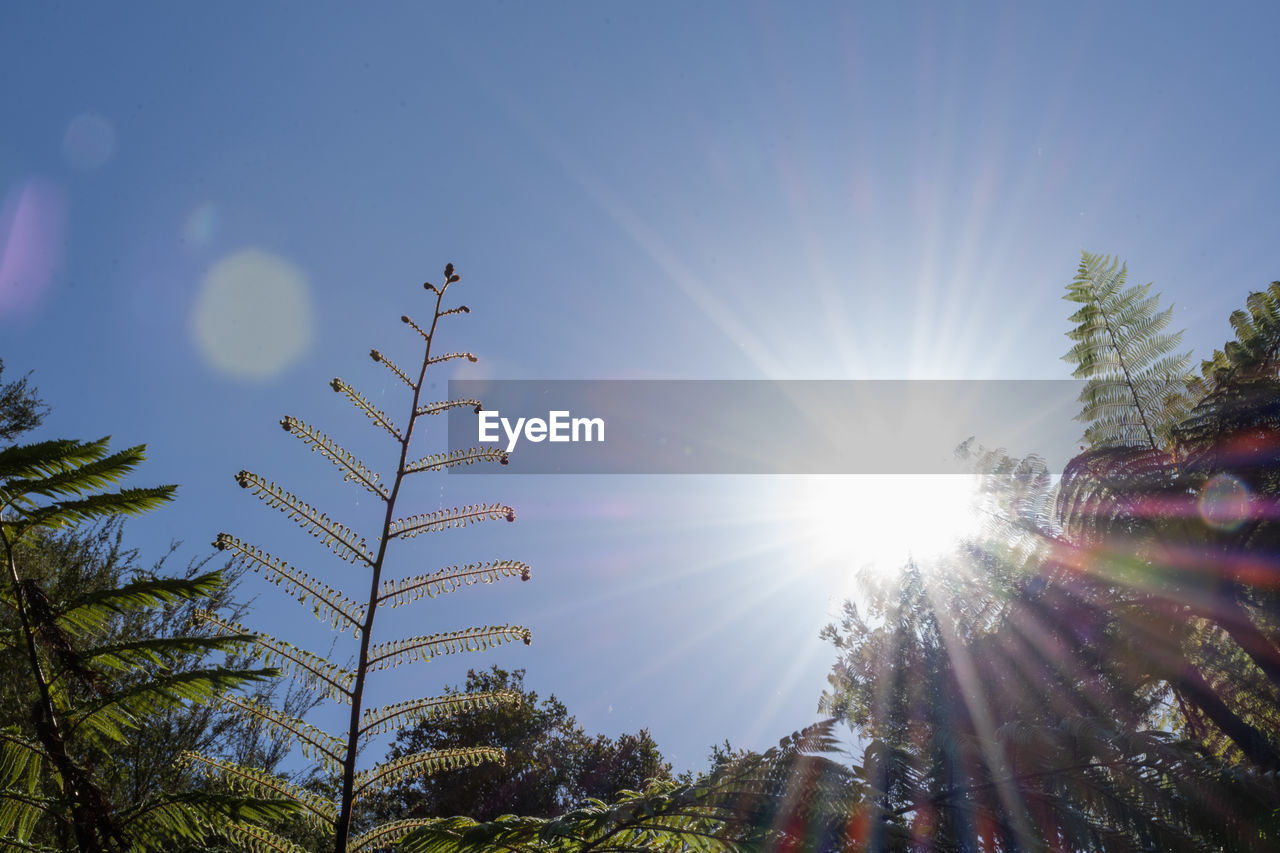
pixel 881 522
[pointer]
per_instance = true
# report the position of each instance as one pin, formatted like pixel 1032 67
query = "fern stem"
pixel 342 829
pixel 1124 366
pixel 91 824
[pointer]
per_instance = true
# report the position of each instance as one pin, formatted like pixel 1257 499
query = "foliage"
pixel 336 818
pixel 20 409
pixel 1100 669
pixel 80 689
pixel 551 763
pixel 1136 381
pixel 792 797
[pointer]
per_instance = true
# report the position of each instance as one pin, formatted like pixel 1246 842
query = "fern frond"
pixel 158 651
pixel 401 591
pixel 375 415
pixel 260 783
pixel 123 709
pixel 49 458
pixel 424 648
pixel 461 309
pixel 453 458
pixel 166 821
pixel 329 604
pixel 393 367
pixel 445 405
pixel 1256 348
pixel 1136 387
pixel 20 815
pixel 442 519
pixel 314 671
pixel 339 538
pixel 254 839
pixel 424 764
pixel 20 761
pixel 451 356
pixel 386 834
pixel 76 479
pixel 375 721
pixel 352 467
pixel 123 502
pixel 91 610
pixel 315 743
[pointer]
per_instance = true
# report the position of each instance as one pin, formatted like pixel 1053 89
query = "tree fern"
pixel 357 614
pixel 88 690
pixel 1136 381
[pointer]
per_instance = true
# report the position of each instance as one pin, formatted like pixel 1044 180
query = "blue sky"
pixel 658 190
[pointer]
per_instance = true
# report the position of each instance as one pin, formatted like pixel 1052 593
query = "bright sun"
pixel 881 521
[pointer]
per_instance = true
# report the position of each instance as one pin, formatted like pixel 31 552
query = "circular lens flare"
pixel 1224 502
pixel 253 317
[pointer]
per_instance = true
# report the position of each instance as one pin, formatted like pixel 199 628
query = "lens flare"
pixel 1224 502
pixel 253 317
pixel 32 223
pixel 89 142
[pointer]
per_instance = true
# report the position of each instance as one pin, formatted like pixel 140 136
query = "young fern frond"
pixel 384 835
pixel 260 783
pixel 312 670
pixel 393 367
pixel 443 519
pixel 401 591
pixel 424 648
pixel 316 744
pixel 328 604
pixel 378 417
pixel 255 839
pixel 376 721
pixel 424 764
pixel 340 754
pixel 445 405
pixel 353 468
pixel 339 538
pixel 453 458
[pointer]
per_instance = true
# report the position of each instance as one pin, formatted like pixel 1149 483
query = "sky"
pixel 207 211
